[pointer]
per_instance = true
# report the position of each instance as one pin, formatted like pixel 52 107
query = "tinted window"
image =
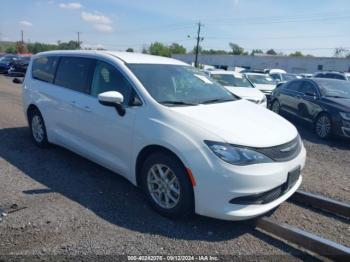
pixel 294 86
pixel 308 88
pixel 337 76
pixel 74 73
pixel 289 77
pixel 108 78
pixel 44 68
pixel 276 76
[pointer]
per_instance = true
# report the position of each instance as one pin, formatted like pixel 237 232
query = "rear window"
pixel 75 73
pixel 44 68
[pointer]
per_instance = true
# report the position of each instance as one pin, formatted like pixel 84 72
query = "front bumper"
pixel 214 191
pixel 341 127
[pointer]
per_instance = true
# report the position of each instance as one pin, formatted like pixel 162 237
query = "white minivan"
pixel 186 141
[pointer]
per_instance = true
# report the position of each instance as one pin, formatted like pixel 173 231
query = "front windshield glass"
pixel 232 80
pixel 261 79
pixel 179 84
pixel 288 77
pixel 337 89
pixel 5 59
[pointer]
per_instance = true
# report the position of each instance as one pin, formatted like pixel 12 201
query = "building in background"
pixel 290 64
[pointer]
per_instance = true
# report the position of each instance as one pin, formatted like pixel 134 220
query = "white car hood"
pixel 265 87
pixel 247 93
pixel 240 122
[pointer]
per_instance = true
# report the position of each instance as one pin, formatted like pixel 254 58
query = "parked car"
pixel 263 82
pixel 6 62
pixel 240 86
pixel 19 66
pixel 323 102
pixel 284 77
pixel 332 75
pixel 185 140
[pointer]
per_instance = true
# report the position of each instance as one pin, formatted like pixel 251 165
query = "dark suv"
pixel 323 102
pixel 333 75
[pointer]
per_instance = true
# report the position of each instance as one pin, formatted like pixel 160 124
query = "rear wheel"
pixel 167 186
pixel 275 107
pixel 37 128
pixel 323 126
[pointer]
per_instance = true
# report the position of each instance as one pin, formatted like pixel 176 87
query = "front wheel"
pixel 167 186
pixel 275 107
pixel 323 126
pixel 37 128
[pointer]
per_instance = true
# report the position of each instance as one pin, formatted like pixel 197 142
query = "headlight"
pixel 237 155
pixel 345 116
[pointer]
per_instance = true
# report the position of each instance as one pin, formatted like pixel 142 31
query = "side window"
pixel 308 88
pixel 293 86
pixel 75 73
pixel 108 78
pixel 276 76
pixel 44 68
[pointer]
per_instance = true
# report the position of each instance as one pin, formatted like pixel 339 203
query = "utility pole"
pixel 78 39
pixel 199 38
pixel 22 36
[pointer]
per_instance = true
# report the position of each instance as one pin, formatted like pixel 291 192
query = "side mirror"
pixel 112 98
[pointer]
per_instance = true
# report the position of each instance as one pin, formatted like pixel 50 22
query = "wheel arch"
pixel 31 108
pixel 147 151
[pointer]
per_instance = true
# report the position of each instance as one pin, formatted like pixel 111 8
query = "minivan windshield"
pixel 261 79
pixel 232 80
pixel 179 84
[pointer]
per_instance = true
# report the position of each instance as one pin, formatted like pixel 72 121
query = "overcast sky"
pixel 312 26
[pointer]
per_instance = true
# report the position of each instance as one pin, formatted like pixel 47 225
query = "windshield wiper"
pixel 169 102
pixel 337 96
pixel 217 100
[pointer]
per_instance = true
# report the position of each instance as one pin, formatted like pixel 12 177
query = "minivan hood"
pixel 240 123
pixel 247 93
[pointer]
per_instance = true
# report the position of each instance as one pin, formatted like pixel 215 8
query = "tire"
pixel 38 129
pixel 323 126
pixel 180 204
pixel 275 106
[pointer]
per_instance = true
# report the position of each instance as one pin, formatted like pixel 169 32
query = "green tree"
pixel 214 52
pixel 296 54
pixel 130 50
pixel 71 45
pixel 271 52
pixel 159 49
pixel 256 51
pixel 236 49
pixel 11 50
pixel 175 48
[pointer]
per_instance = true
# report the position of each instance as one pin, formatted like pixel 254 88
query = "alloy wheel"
pixel 163 186
pixel 323 126
pixel 275 107
pixel 37 129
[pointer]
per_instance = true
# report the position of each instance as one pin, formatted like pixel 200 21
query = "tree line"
pixel 160 49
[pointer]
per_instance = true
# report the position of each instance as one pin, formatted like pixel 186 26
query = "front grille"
pixel 284 152
pixel 263 198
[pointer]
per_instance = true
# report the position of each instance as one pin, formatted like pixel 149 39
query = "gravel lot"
pixel 75 207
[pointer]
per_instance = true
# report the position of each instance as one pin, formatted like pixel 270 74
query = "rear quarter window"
pixel 44 68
